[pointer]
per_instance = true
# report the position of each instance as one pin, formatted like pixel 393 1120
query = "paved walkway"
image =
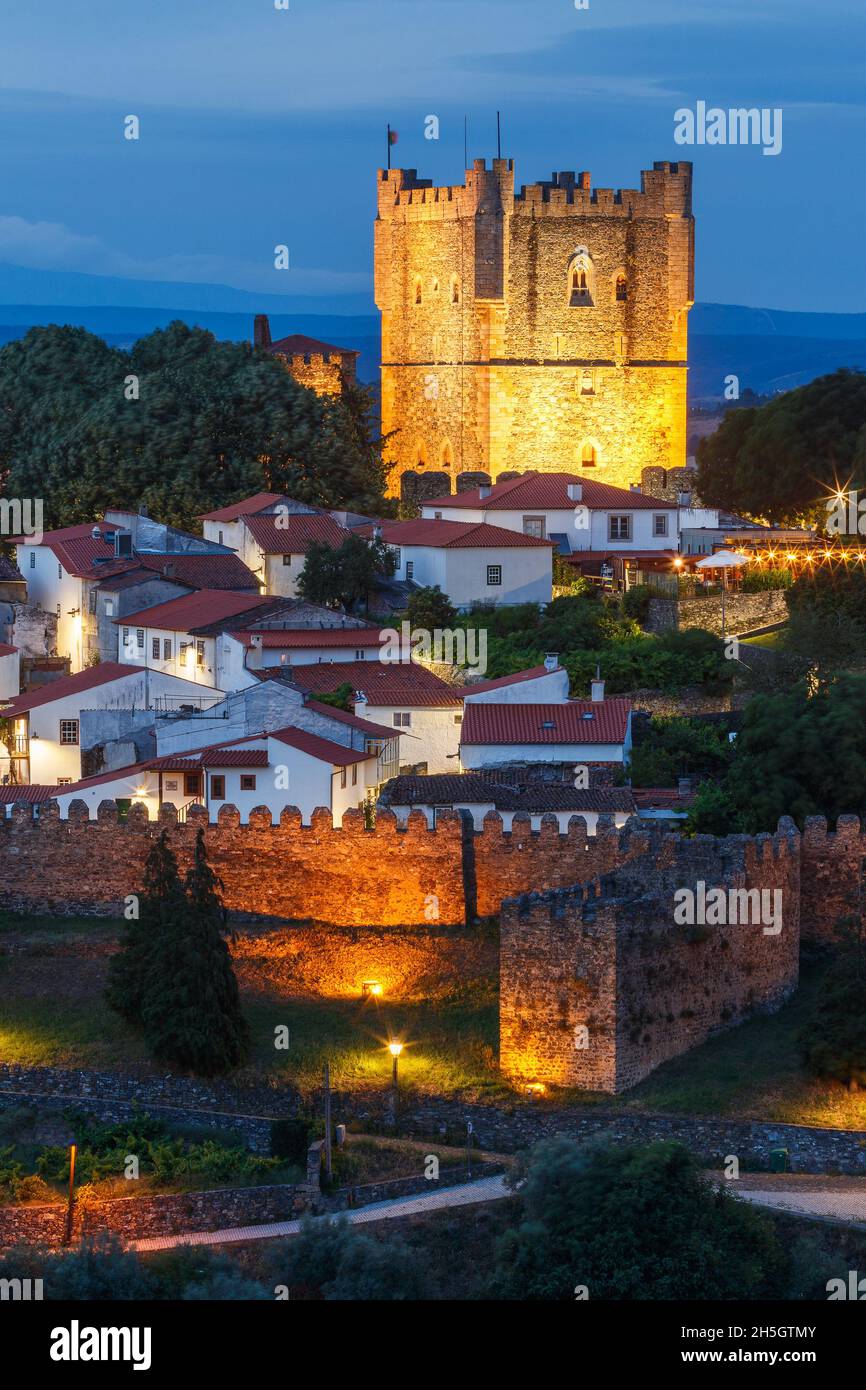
pixel 482 1190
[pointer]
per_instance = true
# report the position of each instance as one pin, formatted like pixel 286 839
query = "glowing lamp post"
pixel 395 1048
pixel 70 1204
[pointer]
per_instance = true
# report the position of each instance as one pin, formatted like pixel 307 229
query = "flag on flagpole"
pixel 393 137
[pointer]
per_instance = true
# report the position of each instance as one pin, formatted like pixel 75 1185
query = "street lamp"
pixel 395 1048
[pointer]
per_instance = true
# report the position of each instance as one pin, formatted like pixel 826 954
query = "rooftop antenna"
pixel 498 137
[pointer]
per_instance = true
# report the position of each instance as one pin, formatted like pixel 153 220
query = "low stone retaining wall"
pixel 366 1193
pixel 743 612
pixel 112 1098
pixel 162 1214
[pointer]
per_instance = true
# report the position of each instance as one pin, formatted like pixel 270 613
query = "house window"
pixel 183 653
pixel 660 524
pixel 192 784
pixel 219 537
pixel 91 601
pixel 619 528
pixel 64 781
pixel 359 654
pixel 171 784
pixel 398 555
pixel 33 559
pixel 581 279
pixel 410 568
pixel 588 456
pixel 586 383
pixel 621 289
pixel 402 721
pixel 154 647
pixel 166 649
pixel 217 788
pixel 199 653
pixel 494 574
pixel 287 559
pixel 69 731
pixel 139 638
pixel 248 782
pixel 109 608
pixel 534 526
pixel 458 719
pixel 354 774
pixel 342 778
pixel 437 516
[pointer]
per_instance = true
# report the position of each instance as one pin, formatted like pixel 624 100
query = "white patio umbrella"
pixel 723 560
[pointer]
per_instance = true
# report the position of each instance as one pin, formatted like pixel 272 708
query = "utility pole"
pixel 328 1169
pixel 70 1203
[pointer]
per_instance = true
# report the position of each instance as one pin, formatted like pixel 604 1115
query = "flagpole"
pixel 389 147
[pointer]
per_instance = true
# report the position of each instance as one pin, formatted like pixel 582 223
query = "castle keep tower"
pixel 540 330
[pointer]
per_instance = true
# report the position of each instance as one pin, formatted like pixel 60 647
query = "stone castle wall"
pixel 488 365
pixel 600 985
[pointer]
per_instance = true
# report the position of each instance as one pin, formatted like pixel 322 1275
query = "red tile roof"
pixel 383 682
pixel 533 674
pixel 549 491
pixel 321 748
pixel 467 788
pixel 297 343
pixel 203 571
pixel 215 756
pixel 662 798
pixel 294 534
pixel 89 679
pixel 248 505
pixel 577 721
pixel 31 793
pixel 195 610
pixel 313 637
pixel 451 535
pixel 343 716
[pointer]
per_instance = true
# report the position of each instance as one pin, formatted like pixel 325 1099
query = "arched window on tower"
pixel 446 456
pixel 418 292
pixel 588 456
pixel 621 288
pixel 420 455
pixel 587 387
pixel 581 279
pixel 455 289
pixel 435 285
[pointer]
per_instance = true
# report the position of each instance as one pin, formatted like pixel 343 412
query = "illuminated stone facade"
pixel 545 329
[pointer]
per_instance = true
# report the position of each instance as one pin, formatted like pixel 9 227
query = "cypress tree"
pixel 191 1009
pixel 161 903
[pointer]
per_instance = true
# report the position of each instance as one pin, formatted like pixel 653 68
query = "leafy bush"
pixel 675 747
pixel 333 1260
pixel 755 580
pixel 636 602
pixel 632 1223
pixel 429 608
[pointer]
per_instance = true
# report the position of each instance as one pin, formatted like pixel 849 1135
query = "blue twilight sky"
pixel 261 126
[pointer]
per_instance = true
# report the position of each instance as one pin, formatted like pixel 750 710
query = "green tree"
pixel 160 904
pixel 345 576
pixel 191 1008
pixel 632 1223
pixel 429 609
pixel 333 1260
pixel 203 423
pixel 782 460
pixel 833 1040
pixel 343 697
pixel 674 747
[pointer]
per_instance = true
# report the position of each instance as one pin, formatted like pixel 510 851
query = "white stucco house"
pixel 47 721
pixel 479 795
pixel 577 733
pixel 471 561
pixel 10 676
pixel 288 767
pixel 272 534
pixel 578 514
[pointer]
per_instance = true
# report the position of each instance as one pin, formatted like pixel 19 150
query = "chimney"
pixel 596 690
pixel 684 499
pixel 169 569
pixel 361 703
pixel 551 661
pixel 377 532
pixel 254 657
pixel 684 786
pixel 261 331
pixel 142 510
pixel 575 492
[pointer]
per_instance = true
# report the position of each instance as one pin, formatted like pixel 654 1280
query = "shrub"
pixel 290 1139
pixel 636 602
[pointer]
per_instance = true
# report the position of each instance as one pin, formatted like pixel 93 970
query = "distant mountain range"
pixel 769 350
